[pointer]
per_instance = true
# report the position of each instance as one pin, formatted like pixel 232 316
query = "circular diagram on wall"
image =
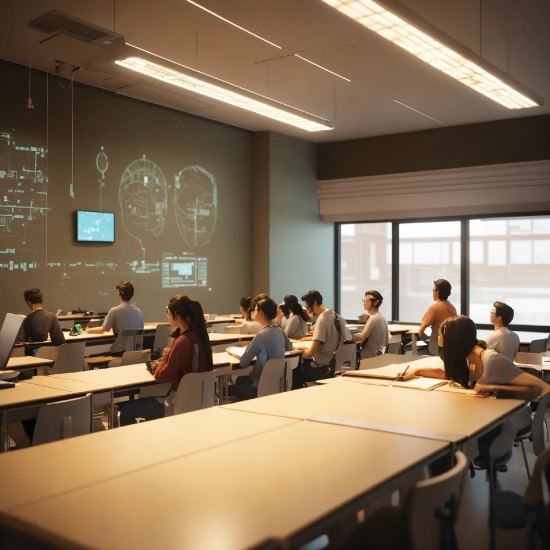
pixel 196 205
pixel 143 199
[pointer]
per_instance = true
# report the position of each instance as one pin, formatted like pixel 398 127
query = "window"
pixel 427 251
pixel 366 264
pixel 515 268
pixel 509 261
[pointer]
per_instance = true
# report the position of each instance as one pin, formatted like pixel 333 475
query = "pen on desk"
pixel 402 377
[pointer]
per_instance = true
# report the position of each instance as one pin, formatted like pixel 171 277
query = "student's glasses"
pixel 365 300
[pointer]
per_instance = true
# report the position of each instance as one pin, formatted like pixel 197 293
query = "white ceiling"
pixel 514 36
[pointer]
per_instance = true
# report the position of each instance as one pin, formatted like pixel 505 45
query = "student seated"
pixel 39 323
pixel 123 316
pixel 375 333
pixel 270 343
pixel 296 325
pixel 437 313
pixel 330 330
pixel 468 362
pixel 503 340
pixel 190 352
pixel 247 323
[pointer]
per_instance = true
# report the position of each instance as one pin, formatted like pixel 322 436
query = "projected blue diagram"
pixel 23 204
pixel 95 227
pixel 195 205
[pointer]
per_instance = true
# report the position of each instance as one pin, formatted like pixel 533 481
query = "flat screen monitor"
pixel 8 334
pixel 95 227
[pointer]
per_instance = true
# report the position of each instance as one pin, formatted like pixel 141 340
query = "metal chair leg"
pixel 525 459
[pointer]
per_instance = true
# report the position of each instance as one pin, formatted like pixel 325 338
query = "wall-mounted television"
pixel 95 227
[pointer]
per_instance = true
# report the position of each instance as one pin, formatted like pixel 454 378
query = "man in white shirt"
pixel 375 333
pixel 329 332
pixel 503 339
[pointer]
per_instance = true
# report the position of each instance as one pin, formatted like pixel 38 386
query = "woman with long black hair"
pixel 296 325
pixel 189 352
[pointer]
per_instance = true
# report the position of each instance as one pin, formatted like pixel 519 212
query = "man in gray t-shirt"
pixel 329 332
pixel 375 333
pixel 503 339
pixel 123 316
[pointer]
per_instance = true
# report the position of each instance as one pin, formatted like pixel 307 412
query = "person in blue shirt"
pixel 270 343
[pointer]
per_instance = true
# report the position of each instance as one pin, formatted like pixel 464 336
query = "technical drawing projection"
pixel 23 204
pixel 143 200
pixel 195 205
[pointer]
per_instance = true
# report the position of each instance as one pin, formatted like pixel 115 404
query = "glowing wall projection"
pixel 179 186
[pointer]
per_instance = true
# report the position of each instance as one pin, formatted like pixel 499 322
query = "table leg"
pixel 414 339
pixel 4 440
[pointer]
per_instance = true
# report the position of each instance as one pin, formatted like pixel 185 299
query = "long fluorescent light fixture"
pixel 408 30
pixel 201 83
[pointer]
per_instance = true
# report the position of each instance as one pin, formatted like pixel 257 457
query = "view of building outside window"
pixel 510 262
pixel 427 251
pixel 366 264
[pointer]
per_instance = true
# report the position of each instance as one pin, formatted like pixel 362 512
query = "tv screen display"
pixel 95 227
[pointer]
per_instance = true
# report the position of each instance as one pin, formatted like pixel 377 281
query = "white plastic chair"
pixel 394 344
pixel 131 358
pixel 133 338
pixel 162 335
pixel 346 357
pixel 196 391
pixel 63 419
pixel 67 357
pixel 277 376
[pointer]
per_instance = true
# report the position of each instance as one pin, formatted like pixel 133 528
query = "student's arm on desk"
pixel 424 325
pixel 524 386
pixel 309 353
pixel 428 373
pixel 95 330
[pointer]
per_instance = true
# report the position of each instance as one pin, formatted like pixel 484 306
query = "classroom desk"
pixel 220 319
pixel 175 503
pixel 23 401
pixel 222 338
pixel 27 363
pixel 450 416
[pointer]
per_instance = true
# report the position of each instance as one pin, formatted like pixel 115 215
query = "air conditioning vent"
pixel 59 22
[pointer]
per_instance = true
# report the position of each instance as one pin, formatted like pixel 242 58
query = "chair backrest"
pixel 538 427
pixel 395 344
pixel 70 358
pixel 534 494
pixel 196 391
pixel 63 419
pixel 236 329
pixel 539 346
pixel 48 352
pixel 432 505
pixel 529 358
pixel 277 376
pixel 135 357
pixel 346 357
pixel 162 335
pixel 132 337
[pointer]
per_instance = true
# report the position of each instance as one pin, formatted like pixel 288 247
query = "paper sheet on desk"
pixel 420 383
pixel 236 350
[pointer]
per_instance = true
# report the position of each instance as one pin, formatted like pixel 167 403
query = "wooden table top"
pixel 211 499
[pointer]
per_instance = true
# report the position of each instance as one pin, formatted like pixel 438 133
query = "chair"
pixel 539 346
pixel 395 344
pixel 529 358
pixel 196 391
pixel 67 357
pixel 232 329
pixel 346 357
pixel 277 376
pixel 162 335
pixel 133 338
pixel 538 431
pixel 386 359
pixel 424 521
pixel 514 512
pixel 131 358
pixel 63 419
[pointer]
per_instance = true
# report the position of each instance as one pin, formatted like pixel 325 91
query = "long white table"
pixel 283 482
pixel 451 416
